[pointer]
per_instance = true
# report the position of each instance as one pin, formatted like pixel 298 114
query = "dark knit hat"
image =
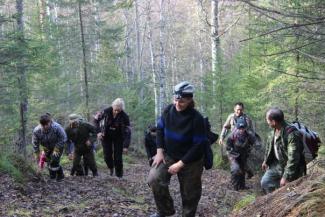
pixel 241 123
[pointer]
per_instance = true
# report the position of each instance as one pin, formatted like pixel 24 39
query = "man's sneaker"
pixel 157 215
pixel 111 170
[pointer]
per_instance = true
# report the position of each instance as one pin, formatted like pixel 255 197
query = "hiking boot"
pixel 249 174
pixel 86 171
pixel 52 174
pixel 95 173
pixel 157 215
pixel 60 174
pixel 111 171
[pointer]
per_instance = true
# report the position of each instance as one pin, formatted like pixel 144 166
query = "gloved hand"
pixel 56 152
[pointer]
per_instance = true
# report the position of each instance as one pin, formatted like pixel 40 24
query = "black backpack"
pixel 309 138
pixel 211 138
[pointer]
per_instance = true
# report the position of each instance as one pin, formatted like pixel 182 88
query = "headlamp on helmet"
pixel 183 90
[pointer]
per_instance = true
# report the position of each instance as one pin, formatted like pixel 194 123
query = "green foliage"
pixel 100 162
pixel 219 161
pixel 16 166
pixel 321 152
pixel 248 199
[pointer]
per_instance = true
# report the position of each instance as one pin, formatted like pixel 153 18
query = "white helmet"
pixel 183 89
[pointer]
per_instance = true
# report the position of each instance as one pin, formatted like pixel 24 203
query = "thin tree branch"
pixel 281 13
pixel 283 28
pixel 227 29
pixel 287 51
pixel 206 19
pixel 319 59
pixel 299 76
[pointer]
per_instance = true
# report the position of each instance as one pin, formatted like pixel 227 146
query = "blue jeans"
pixel 271 178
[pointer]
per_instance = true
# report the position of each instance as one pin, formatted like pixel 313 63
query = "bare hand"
pixel 283 182
pixel 264 166
pixel 220 142
pixel 158 158
pixel 100 136
pixel 88 143
pixel 70 156
pixel 97 115
pixel 176 167
pixel 125 150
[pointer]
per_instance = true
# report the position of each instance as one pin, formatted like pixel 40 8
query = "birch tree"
pixel 162 72
pixel 216 57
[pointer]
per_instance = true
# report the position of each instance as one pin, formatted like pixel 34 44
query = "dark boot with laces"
pixel 157 215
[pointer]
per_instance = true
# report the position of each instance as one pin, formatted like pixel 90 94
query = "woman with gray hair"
pixel 113 125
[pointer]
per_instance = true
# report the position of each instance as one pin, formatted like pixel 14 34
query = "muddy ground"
pixel 107 195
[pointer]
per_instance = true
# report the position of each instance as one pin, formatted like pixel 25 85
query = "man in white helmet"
pixel 180 142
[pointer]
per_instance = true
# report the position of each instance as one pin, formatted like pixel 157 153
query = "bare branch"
pixel 288 51
pixel 295 25
pixel 206 19
pixel 227 29
pixel 281 13
pixel 299 76
pixel 319 59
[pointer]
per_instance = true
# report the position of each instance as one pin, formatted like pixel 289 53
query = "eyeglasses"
pixel 182 100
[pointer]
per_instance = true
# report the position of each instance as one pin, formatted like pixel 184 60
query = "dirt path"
pixel 108 196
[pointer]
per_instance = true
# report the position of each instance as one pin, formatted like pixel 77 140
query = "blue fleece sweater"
pixel 181 134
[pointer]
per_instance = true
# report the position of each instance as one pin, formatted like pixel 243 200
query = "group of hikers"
pixel 175 146
pixel 111 126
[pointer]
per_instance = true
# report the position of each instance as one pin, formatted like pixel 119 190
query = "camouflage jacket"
pixel 80 134
pixel 290 152
pixel 55 137
pixel 240 144
pixel 231 123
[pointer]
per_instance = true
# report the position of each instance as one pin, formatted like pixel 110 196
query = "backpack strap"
pixel 167 109
pixel 289 129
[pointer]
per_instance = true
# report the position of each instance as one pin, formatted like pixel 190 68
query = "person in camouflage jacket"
pixel 239 144
pixel 83 136
pixel 230 125
pixel 284 161
pixel 52 137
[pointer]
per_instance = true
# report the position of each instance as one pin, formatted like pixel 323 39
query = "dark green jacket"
pixel 290 149
pixel 80 134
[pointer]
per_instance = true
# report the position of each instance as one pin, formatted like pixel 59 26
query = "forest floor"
pixel 109 196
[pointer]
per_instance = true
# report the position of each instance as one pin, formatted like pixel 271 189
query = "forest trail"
pixel 109 196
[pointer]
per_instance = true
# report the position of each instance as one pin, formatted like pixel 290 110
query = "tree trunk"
pixel 84 60
pixel 162 72
pixel 42 14
pixel 22 81
pixel 216 58
pixel 138 47
pixel 153 63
